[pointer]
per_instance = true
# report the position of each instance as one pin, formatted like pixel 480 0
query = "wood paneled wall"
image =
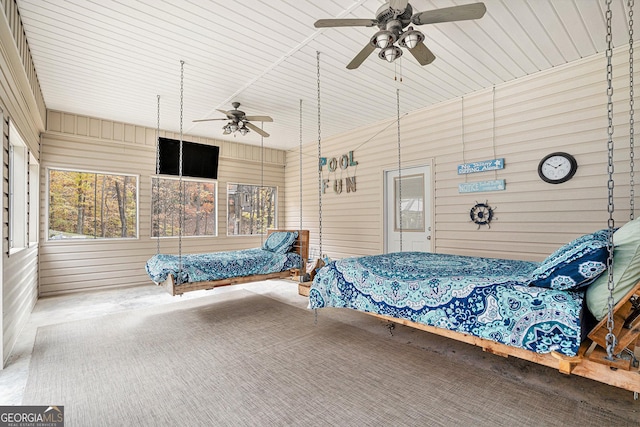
pixel 563 109
pixel 22 103
pixel 87 143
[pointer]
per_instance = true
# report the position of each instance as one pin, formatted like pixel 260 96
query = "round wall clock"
pixel 557 168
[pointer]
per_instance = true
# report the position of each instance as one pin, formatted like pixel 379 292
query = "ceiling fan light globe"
pixel 244 131
pixel 391 53
pixel 233 127
pixel 383 39
pixel 226 130
pixel 411 38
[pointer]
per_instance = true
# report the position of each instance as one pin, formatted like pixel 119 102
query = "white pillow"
pixel 626 270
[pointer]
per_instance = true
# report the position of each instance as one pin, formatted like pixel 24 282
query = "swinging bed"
pixel 541 312
pixel 282 255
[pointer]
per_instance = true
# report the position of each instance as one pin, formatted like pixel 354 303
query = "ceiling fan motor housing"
pixel 386 14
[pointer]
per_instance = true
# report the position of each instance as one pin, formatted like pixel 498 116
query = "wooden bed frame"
pixel 301 246
pixel 590 362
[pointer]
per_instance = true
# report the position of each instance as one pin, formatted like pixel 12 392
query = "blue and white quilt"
pixel 220 265
pixel 484 297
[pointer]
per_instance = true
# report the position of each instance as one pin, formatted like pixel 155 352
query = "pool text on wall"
pixel 341 165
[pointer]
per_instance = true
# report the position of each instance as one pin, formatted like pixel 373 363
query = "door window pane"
pixel 409 212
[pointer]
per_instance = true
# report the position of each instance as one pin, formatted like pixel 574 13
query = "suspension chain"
pixel 156 186
pixel 260 206
pixel 180 182
pixel 399 169
pixel 631 119
pixel 610 337
pixel 300 160
pixel 319 164
pixel 302 260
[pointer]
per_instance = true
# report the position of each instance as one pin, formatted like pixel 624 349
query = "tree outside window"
pixel 251 209
pixel 89 205
pixel 198 199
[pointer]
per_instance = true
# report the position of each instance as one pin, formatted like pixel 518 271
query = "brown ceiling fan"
pixel 392 18
pixel 238 121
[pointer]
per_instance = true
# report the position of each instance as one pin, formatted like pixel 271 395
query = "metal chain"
pixel 261 214
pixel 493 129
pixel 631 119
pixel 300 160
pixel 464 162
pixel 156 211
pixel 319 162
pixel 610 337
pixel 399 168
pixel 181 183
pixel 302 260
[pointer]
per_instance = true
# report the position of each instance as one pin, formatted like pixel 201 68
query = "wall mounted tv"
pixel 198 160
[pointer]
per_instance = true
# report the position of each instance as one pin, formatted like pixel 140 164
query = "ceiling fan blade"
pixel 360 57
pixel 448 14
pixel 256 129
pixel 207 120
pixel 226 113
pixel 258 118
pixel 325 23
pixel 400 5
pixel 422 53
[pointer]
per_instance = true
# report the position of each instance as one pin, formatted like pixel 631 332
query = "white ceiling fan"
pixel 238 121
pixel 392 18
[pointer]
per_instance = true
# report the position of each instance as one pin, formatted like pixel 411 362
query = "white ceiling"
pixel 111 58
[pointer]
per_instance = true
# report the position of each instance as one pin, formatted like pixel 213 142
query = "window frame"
pixel 96 172
pixel 34 202
pixel 18 191
pixel 185 179
pixel 275 210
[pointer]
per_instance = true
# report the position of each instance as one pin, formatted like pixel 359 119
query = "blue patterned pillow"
pixel 574 265
pixel 280 242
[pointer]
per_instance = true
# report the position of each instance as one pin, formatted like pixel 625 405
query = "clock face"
pixel 557 167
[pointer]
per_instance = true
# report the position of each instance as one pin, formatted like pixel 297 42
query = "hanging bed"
pixel 283 254
pixel 542 312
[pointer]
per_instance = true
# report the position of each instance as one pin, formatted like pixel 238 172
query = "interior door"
pixel 407 201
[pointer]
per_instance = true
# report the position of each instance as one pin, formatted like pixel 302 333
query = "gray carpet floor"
pixel 243 359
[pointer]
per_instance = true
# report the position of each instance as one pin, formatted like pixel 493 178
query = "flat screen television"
pixel 198 160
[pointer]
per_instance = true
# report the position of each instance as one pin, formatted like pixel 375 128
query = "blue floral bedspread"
pixel 220 265
pixel 484 297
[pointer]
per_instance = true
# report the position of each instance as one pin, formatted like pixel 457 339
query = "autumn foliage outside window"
pixel 88 205
pixel 251 208
pixel 199 200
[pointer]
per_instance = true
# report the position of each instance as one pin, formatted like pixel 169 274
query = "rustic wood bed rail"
pixel 301 246
pixel 590 362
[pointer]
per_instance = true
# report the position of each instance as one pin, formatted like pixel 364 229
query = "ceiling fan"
pixel 240 122
pixel 392 18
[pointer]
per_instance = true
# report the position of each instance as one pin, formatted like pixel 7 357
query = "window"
pixel 200 209
pixel 412 203
pixel 91 205
pixel 18 191
pixel 251 208
pixel 34 203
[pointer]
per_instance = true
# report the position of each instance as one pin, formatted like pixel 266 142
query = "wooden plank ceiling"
pixel 111 58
